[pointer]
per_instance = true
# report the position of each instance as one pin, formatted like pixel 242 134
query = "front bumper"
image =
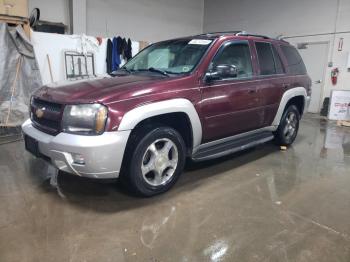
pixel 103 154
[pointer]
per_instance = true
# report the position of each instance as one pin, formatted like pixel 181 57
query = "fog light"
pixel 78 159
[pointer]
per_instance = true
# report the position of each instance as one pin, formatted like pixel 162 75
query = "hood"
pixel 103 90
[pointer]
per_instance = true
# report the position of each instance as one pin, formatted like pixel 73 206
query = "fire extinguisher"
pixel 334 75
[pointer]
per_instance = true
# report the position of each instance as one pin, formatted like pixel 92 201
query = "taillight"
pixel 308 88
pixel 308 91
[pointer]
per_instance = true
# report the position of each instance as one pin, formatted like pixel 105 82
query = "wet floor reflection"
pixel 337 141
pixel 259 205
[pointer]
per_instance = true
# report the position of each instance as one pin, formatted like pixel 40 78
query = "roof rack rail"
pixel 225 32
pixel 221 32
pixel 243 33
pixel 237 33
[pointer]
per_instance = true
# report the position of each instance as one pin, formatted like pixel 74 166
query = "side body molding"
pixel 136 115
pixel 289 94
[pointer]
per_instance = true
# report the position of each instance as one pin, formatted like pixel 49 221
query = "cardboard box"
pixel 339 107
pixel 14 7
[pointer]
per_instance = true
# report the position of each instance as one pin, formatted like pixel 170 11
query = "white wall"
pixel 78 14
pixel 275 17
pixel 141 20
pixel 288 18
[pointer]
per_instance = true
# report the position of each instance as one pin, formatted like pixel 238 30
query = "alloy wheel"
pixel 291 125
pixel 159 162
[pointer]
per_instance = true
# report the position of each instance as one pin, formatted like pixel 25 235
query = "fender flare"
pixel 288 95
pixel 177 105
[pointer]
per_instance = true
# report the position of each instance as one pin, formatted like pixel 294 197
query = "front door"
pixel 231 105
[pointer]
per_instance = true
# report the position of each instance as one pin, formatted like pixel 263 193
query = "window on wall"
pixel 236 54
pixel 296 65
pixel 266 59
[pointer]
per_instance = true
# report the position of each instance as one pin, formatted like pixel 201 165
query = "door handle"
pixel 252 91
pixel 318 82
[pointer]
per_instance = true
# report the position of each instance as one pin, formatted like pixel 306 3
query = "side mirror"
pixel 222 71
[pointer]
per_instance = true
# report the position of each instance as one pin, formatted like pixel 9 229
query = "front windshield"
pixel 173 57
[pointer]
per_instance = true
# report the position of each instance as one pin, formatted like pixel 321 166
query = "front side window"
pixel 173 57
pixel 237 55
pixel 296 65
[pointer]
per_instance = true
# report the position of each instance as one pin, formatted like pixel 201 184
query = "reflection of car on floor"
pixel 200 97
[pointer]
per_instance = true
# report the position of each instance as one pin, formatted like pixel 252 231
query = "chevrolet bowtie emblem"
pixel 40 112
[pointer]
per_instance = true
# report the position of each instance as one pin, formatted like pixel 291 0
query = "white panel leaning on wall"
pixel 50 54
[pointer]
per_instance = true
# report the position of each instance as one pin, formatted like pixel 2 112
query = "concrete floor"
pixel 259 205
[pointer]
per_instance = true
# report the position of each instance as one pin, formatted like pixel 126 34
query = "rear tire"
pixel 288 127
pixel 156 161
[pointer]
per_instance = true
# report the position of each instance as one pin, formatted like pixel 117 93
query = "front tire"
pixel 156 162
pixel 288 127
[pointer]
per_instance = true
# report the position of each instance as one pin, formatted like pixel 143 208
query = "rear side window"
pixel 296 65
pixel 265 56
pixel 278 62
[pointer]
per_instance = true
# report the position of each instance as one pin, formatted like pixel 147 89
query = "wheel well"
pixel 299 102
pixel 179 121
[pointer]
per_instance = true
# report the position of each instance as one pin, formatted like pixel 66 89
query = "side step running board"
pixel 232 146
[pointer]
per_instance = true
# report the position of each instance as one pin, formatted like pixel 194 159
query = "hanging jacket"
pixel 115 55
pixel 109 56
pixel 120 45
pixel 124 46
pixel 128 52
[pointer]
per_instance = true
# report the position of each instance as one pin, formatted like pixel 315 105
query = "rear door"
pixel 273 79
pixel 231 106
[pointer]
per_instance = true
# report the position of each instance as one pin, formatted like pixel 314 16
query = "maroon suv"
pixel 200 97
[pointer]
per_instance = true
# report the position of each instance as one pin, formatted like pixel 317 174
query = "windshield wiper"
pixel 152 69
pixel 125 69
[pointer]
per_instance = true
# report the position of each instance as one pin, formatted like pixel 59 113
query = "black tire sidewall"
pixel 281 139
pixel 138 184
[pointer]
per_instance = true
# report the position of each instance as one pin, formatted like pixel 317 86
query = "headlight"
pixel 87 119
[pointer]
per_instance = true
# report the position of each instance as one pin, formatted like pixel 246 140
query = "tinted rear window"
pixel 278 62
pixel 295 62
